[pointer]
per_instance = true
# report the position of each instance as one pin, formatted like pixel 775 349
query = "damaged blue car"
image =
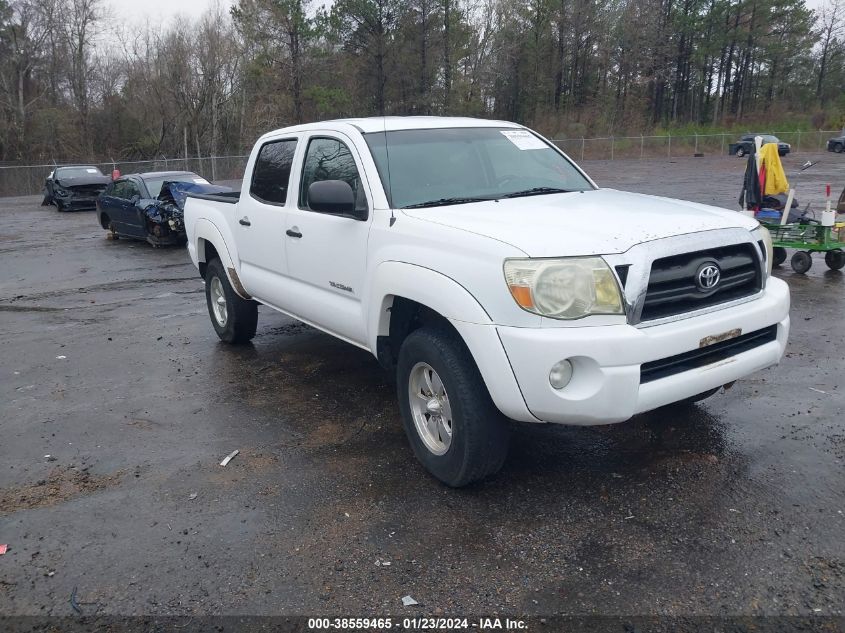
pixel 149 206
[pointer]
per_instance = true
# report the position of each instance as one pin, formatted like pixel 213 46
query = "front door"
pixel 327 254
pixel 120 207
pixel 259 224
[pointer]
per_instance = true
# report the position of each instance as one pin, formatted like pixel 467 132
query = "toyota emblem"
pixel 708 276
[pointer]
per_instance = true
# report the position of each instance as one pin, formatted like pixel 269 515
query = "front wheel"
pixel 234 319
pixel 801 262
pixel 451 422
pixel 835 260
pixel 740 152
pixel 839 148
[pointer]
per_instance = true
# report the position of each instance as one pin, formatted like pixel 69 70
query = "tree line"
pixel 77 83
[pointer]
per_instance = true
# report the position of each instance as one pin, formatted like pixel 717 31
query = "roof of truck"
pixel 394 123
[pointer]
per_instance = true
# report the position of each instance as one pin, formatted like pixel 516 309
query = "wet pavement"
pixel 111 367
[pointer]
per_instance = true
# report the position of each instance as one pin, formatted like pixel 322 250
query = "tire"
pixel 801 262
pixel 839 148
pixel 778 255
pixel 234 319
pixel 740 152
pixel 835 260
pixel 476 441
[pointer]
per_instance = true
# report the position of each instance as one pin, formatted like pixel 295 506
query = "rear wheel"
pixel 801 262
pixel 835 260
pixel 451 422
pixel 234 319
pixel 108 225
pixel 778 255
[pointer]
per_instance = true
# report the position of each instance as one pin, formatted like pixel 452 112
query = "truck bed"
pixel 228 197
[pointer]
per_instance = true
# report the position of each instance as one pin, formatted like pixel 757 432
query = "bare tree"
pixel 831 24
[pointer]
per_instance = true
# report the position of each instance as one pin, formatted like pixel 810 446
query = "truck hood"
pixel 598 222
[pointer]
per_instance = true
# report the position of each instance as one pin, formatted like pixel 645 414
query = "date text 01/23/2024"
pixel 417 624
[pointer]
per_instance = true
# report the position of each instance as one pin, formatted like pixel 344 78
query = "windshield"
pixel 77 172
pixel 154 184
pixel 455 165
pixel 768 138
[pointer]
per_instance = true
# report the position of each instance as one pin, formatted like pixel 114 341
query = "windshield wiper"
pixel 535 191
pixel 442 202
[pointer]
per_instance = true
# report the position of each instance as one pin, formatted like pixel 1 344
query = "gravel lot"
pixel 110 366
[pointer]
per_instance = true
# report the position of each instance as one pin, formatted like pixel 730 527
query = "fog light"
pixel 561 374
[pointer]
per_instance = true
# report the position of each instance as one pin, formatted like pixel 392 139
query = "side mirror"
pixel 335 197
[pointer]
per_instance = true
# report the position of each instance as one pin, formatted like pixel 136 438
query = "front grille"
pixel 673 289
pixel 86 191
pixel 657 369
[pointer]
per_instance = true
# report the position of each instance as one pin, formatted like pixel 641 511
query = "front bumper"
pixel 606 386
pixel 77 203
pixel 171 238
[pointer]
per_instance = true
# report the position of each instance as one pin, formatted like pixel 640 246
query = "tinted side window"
pixel 130 189
pixel 271 173
pixel 119 189
pixel 330 159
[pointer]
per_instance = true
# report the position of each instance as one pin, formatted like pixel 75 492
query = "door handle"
pixel 244 221
pixel 293 233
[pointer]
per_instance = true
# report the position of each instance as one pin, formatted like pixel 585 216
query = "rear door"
pixel 327 254
pixel 259 220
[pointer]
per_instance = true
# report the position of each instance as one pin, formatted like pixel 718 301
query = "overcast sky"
pixel 156 9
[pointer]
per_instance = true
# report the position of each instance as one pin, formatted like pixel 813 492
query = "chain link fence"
pixel 20 180
pixel 668 146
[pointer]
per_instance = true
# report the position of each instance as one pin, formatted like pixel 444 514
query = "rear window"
pixel 77 172
pixel 271 174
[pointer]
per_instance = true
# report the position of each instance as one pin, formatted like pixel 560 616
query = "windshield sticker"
pixel 201 181
pixel 524 139
pixel 91 171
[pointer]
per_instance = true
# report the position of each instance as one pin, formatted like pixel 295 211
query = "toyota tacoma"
pixel 490 276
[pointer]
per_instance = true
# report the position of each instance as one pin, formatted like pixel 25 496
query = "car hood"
pixel 598 222
pixel 177 191
pixel 82 181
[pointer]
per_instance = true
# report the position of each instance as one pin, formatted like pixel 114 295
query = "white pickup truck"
pixel 490 276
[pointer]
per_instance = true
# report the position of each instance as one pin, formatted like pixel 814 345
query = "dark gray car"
pixel 74 187
pixel 836 144
pixel 745 145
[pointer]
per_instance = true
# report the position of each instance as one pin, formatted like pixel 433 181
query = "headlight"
pixel 761 234
pixel 568 288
